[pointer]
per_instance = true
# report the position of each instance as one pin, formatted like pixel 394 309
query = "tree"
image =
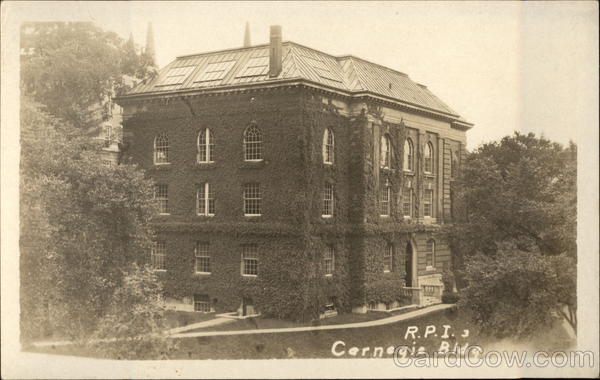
pixel 82 223
pixel 135 318
pixel 519 202
pixel 75 68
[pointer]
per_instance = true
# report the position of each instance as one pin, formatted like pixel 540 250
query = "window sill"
pixel 202 274
pixel 326 216
pixel 384 216
pixel 387 271
pixel 409 172
pixel 250 275
pixel 164 213
pixel 252 215
pixel 257 164
pixel 159 270
pixel 327 163
pixel 329 275
pixel 205 215
pixel 429 175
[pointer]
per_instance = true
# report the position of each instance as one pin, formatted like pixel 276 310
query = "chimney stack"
pixel 275 51
pixel 247 36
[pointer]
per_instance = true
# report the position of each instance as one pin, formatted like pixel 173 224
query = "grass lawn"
pixel 318 344
pixel 175 318
pixel 269 323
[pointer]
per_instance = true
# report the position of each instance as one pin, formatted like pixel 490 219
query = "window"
pixel 161 149
pixel 428 203
pixel 206 144
pixel 249 260
pixel 327 200
pixel 428 159
pixel 385 157
pixel 205 203
pixel 329 260
pixel 202 255
pixel 385 199
pixel 430 254
pixel 157 255
pixel 161 194
pixel 328 146
pixel 388 255
pixel 252 199
pixel 202 303
pixel 407 204
pixel 409 162
pixel 252 144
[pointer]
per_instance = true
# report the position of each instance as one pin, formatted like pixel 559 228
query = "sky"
pixel 503 66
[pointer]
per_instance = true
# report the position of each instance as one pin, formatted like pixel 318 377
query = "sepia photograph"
pixel 315 189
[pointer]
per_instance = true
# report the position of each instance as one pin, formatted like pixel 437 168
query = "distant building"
pixel 294 183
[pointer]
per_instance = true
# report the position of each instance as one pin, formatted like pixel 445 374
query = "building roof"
pixel 250 66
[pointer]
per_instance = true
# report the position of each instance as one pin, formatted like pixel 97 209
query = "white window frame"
pixel 158 255
pixel 249 254
pixel 202 252
pixel 206 303
pixel 207 145
pixel 408 195
pixel 428 201
pixel 430 255
pixel 328 201
pixel 163 199
pixel 385 156
pixel 428 158
pixel 409 155
pixel 385 201
pixel 329 261
pixel 252 199
pixel 388 259
pixel 328 147
pixel 161 148
pixel 204 197
pixel 253 147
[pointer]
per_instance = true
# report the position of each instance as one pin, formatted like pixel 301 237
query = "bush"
pixel 450 297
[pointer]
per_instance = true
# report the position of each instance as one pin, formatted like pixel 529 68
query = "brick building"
pixel 294 183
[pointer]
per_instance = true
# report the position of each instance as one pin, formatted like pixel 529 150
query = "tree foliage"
pixel 74 68
pixel 514 244
pixel 135 318
pixel 82 223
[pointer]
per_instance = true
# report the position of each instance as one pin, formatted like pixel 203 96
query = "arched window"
pixel 428 158
pixel 328 146
pixel 206 144
pixel 430 254
pixel 161 149
pixel 252 144
pixel 385 151
pixel 409 162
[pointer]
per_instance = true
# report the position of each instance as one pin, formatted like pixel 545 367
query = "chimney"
pixel 275 51
pixel 247 36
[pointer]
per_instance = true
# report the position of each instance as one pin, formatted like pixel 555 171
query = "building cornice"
pixel 295 82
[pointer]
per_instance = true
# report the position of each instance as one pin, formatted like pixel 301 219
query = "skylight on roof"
pixel 321 68
pixel 176 75
pixel 256 66
pixel 215 71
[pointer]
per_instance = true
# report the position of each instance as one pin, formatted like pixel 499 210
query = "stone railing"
pixel 413 294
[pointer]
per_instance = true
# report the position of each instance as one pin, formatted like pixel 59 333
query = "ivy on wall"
pixel 290 233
